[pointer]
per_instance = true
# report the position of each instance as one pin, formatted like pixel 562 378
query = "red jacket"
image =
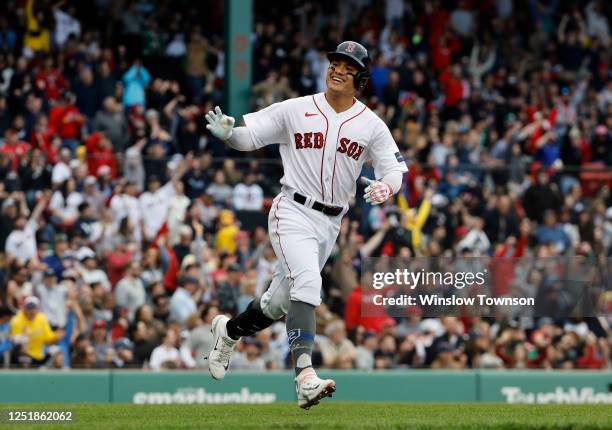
pixel 52 82
pixel 97 157
pixel 353 315
pixel 66 121
pixel 453 89
pixel 43 140
pixel 16 152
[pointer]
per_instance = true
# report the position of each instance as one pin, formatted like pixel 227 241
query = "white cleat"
pixel 311 389
pixel 219 357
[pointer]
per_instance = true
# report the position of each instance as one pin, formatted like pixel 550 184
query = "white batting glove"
pixel 219 124
pixel 376 192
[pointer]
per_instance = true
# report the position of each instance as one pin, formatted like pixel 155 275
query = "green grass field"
pixel 327 415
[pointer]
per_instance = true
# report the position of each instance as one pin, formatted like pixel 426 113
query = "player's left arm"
pixel 389 165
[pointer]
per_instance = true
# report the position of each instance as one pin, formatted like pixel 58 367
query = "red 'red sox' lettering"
pixel 308 140
pixel 352 149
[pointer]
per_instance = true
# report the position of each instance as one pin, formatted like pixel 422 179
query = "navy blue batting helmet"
pixel 356 53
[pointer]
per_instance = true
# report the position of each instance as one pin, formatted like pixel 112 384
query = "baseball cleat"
pixel 219 357
pixel 311 389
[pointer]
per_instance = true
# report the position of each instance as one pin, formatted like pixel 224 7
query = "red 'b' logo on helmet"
pixel 350 47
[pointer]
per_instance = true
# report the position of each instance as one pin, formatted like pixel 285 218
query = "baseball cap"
pixel 234 267
pixel 70 274
pixel 184 230
pixel 49 272
pixel 574 133
pixel 103 170
pixel 98 324
pixel 226 217
pixel 84 253
pixel 123 343
pixel 61 237
pixel 188 280
pixel 8 203
pixel 445 347
pixel 242 234
pixel 188 260
pixel 31 302
pixel 5 311
pixel 90 180
pixel 250 340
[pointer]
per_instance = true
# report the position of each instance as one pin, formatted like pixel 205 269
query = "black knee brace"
pixel 249 322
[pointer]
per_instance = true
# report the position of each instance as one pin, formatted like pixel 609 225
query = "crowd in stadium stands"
pixel 125 228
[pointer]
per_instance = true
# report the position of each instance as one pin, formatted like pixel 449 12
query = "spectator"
pixel 248 195
pixel 51 80
pixel 446 358
pixel 100 153
pixel 112 123
pixel 89 271
pixel 15 149
pixel 271 354
pixel 249 358
pixel 5 332
pixel 552 233
pixel 184 300
pixel 338 351
pixel 125 205
pixel 166 356
pixel 101 344
pixel 66 119
pixel 384 356
pixel 62 171
pixel 86 93
pixel 65 202
pixel 364 353
pixel 227 233
pixel 125 355
pixel 53 297
pixel 21 242
pixel 219 190
pixel 195 180
pixel 130 290
pixel 228 289
pixel 199 341
pixel 541 196
pixel 135 80
pixel 31 333
pixel 144 343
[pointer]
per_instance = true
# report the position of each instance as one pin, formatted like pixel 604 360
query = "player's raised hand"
pixel 219 124
pixel 376 192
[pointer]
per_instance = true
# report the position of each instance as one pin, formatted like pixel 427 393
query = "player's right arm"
pixel 262 128
pixel 222 127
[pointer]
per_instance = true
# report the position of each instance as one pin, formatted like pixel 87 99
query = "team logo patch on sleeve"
pixel 399 157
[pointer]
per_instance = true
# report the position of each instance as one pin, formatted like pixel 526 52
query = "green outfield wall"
pixel 144 387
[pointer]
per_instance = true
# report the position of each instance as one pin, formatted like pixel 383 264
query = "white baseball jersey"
pixel 323 151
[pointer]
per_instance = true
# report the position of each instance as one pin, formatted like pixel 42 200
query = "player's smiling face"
pixel 340 76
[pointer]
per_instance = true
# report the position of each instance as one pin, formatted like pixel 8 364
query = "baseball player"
pixel 324 141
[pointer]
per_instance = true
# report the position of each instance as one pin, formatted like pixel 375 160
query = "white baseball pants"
pixel 302 239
